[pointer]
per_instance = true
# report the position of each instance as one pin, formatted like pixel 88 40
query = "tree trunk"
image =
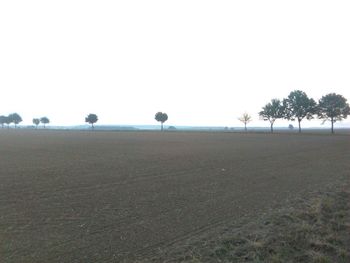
pixel 92 126
pixel 332 121
pixel 299 125
pixel 161 128
pixel 271 127
pixel 245 126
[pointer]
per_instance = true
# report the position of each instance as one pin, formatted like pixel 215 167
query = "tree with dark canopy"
pixel 91 119
pixel 36 122
pixel 8 121
pixel 3 120
pixel 161 117
pixel 15 118
pixel 333 107
pixel 44 120
pixel 299 106
pixel 272 111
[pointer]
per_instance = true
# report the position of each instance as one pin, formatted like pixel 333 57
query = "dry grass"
pixel 312 230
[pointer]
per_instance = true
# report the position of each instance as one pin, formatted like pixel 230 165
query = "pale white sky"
pixel 202 62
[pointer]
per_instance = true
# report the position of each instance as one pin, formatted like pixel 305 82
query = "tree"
pixel 299 106
pixel 8 121
pixel 91 119
pixel 333 107
pixel 161 117
pixel 36 122
pixel 272 111
pixel 3 120
pixel 15 118
pixel 291 127
pixel 245 118
pixel 44 120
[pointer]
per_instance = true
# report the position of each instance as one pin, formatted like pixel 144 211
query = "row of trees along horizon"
pixel 15 118
pixel 297 106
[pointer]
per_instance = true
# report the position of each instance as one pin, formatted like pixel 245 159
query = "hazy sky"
pixel 202 62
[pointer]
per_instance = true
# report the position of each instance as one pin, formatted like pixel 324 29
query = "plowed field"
pixel 118 196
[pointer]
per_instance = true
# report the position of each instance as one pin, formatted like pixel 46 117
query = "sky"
pixel 202 62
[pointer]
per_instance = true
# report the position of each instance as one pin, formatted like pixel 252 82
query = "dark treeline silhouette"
pixel 14 118
pixel 298 106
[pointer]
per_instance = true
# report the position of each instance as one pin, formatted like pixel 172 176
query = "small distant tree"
pixel 36 122
pixel 299 106
pixel 245 118
pixel 91 119
pixel 8 121
pixel 272 111
pixel 161 117
pixel 333 107
pixel 3 120
pixel 15 118
pixel 44 120
pixel 291 127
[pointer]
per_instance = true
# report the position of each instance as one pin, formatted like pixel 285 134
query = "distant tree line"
pixel 298 106
pixel 43 120
pixel 15 118
pixel 160 117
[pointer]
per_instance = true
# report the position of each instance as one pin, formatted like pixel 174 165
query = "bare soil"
pixel 70 196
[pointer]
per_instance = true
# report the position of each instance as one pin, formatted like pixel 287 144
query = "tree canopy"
pixel 36 122
pixel 161 117
pixel 299 106
pixel 3 120
pixel 15 118
pixel 91 119
pixel 44 120
pixel 333 107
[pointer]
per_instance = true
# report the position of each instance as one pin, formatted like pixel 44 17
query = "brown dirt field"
pixel 118 196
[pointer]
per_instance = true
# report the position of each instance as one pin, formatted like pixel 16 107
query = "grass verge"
pixel 313 230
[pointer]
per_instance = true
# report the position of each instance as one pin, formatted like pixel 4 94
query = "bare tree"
pixel 245 118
